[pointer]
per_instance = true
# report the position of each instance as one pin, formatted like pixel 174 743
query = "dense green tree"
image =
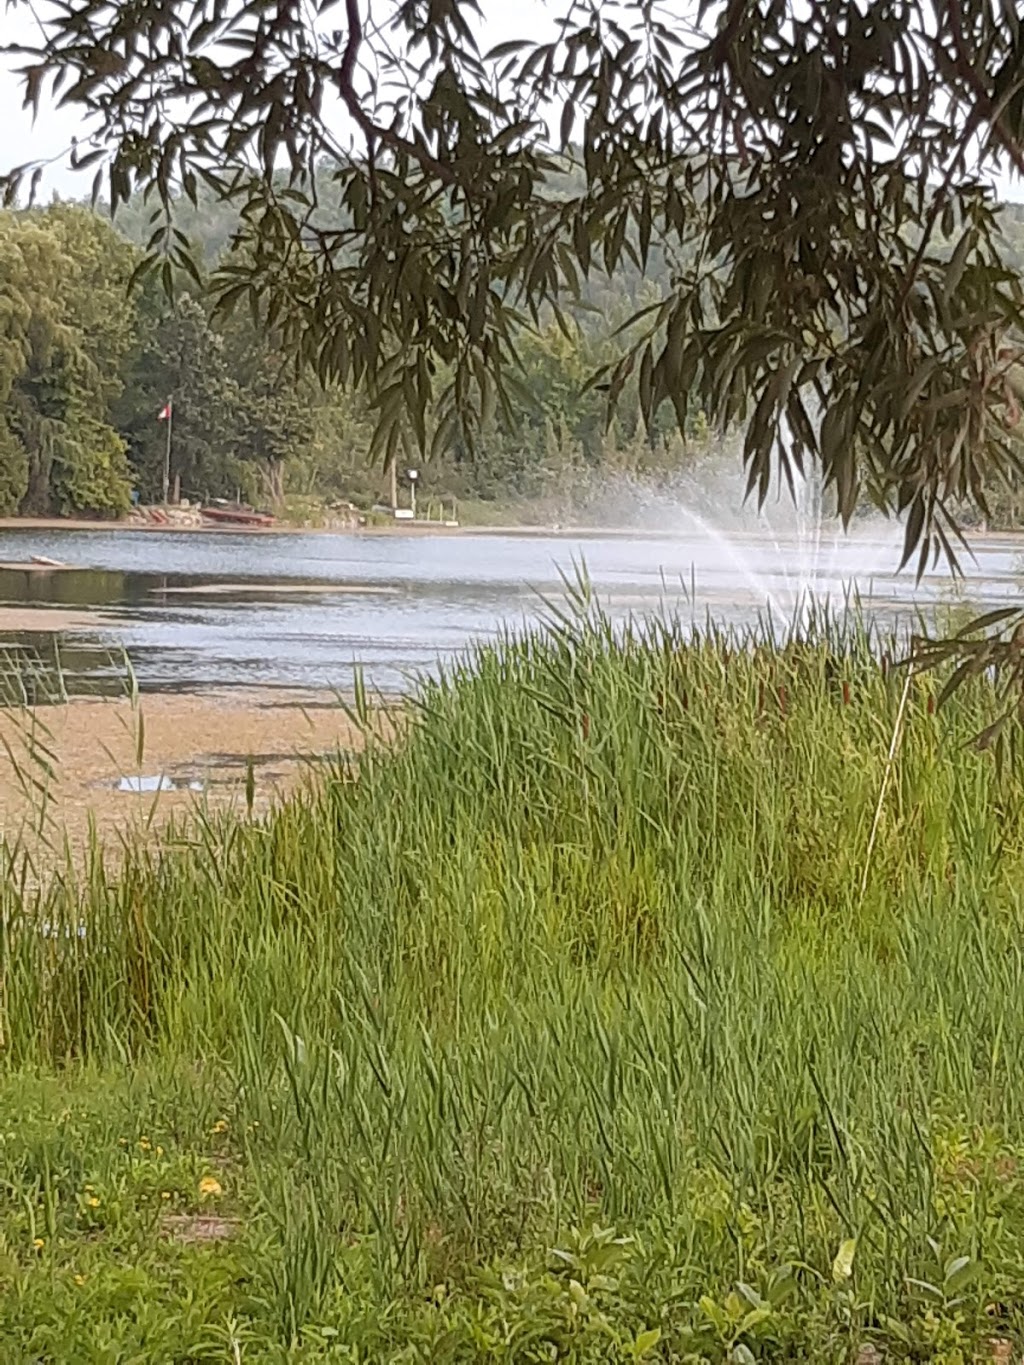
pixel 183 360
pixel 66 321
pixel 274 408
pixel 87 363
pixel 90 470
pixel 13 470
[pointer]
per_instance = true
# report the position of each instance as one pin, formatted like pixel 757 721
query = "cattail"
pixel 885 666
pixel 782 699
pixel 931 705
pixel 846 694
pixel 585 725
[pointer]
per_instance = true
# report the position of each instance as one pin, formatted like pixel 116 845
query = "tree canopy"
pixel 88 361
pixel 816 173
pixel 66 326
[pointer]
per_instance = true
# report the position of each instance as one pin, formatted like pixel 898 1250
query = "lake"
pixel 205 609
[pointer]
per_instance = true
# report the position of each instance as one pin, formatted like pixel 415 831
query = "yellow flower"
pixel 208 1187
pixel 38 1243
pixel 145 1143
pixel 221 1126
pixel 165 1194
pixel 93 1202
pixel 79 1280
pixel 159 1151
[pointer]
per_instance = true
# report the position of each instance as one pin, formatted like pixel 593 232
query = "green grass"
pixel 632 1005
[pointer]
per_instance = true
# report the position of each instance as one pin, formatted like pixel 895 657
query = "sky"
pixel 49 136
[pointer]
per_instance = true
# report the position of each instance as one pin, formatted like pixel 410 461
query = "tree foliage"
pixel 799 162
pixel 87 363
pixel 815 173
pixel 66 324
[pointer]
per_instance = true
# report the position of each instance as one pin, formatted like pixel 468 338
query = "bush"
pixel 13 471
pixel 90 470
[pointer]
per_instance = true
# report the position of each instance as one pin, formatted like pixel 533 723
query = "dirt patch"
pixel 107 766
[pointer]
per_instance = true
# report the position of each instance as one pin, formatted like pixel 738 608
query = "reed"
pixel 657 994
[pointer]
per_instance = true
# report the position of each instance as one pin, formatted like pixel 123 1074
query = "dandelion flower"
pixel 165 1194
pixel 221 1126
pixel 79 1280
pixel 145 1143
pixel 93 1202
pixel 159 1151
pixel 38 1243
pixel 209 1188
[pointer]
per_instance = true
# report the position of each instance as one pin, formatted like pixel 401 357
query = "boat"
pixel 228 514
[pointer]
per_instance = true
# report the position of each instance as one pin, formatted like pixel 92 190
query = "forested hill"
pixel 85 370
pixel 86 367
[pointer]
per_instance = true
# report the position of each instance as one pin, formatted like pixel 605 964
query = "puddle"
pixel 218 770
pixel 142 786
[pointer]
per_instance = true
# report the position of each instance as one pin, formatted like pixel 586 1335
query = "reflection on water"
pixel 444 592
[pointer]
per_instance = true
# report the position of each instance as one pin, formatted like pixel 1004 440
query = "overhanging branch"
pixel 375 132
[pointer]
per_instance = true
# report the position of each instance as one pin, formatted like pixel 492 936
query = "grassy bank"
pixel 632 1007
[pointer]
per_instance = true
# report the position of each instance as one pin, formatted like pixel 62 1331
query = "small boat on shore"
pixel 228 514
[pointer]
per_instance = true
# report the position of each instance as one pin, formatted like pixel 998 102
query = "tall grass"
pixel 697 957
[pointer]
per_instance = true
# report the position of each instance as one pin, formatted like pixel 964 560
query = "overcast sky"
pixel 49 136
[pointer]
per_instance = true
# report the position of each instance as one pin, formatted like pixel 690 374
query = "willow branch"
pixel 985 103
pixel 376 132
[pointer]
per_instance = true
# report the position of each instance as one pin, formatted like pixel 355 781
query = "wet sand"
pixel 52 619
pixel 82 752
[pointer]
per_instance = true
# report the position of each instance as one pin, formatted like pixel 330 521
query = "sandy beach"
pixel 118 767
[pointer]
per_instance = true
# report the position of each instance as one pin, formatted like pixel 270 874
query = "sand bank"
pixel 53 619
pixel 198 743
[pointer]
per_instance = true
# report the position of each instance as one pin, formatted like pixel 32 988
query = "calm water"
pixel 432 595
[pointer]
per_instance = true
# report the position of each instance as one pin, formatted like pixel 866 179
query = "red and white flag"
pixel 164 415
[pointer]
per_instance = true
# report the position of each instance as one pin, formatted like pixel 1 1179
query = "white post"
pixel 167 451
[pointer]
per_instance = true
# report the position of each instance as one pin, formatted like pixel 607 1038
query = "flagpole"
pixel 167 452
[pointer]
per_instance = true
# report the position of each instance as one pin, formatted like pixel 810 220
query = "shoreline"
pixel 408 529
pixel 111 764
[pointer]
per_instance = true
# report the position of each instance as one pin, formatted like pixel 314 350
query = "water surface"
pixel 424 598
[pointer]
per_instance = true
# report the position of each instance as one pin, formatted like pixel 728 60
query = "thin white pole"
pixel 167 452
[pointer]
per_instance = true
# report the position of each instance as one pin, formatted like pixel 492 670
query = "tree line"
pixel 90 355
